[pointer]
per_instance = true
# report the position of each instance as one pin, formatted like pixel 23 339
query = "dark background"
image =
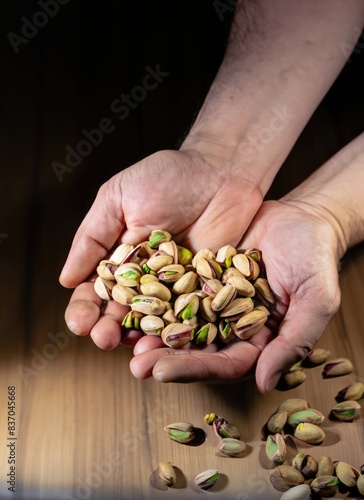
pixel 65 79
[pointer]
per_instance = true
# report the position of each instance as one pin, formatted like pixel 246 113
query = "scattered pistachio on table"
pixel 207 479
pixel 182 432
pixel 346 411
pixel 354 391
pixel 194 299
pixel 337 367
pixel 167 473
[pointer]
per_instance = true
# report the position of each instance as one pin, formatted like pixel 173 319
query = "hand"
pixel 194 197
pixel 299 251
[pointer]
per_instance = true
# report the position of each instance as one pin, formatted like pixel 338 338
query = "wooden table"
pixel 84 427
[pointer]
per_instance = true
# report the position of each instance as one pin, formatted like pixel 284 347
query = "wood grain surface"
pixel 84 427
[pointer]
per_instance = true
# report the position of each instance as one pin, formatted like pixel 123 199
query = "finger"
pixel 96 235
pixel 107 332
pixel 130 337
pixel 148 343
pixel 298 333
pixel 83 310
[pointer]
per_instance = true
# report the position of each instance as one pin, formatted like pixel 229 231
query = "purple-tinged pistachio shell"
pixel 337 367
pixel 285 477
pixel 325 486
pixel 346 411
pixel 176 334
pixel 207 479
pixel 310 415
pixel 353 392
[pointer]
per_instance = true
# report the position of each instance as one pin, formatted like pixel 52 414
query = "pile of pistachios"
pixel 185 298
pixel 304 475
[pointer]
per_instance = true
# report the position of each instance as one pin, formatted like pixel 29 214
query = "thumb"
pixel 299 331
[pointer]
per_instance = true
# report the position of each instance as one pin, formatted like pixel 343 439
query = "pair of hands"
pixel 204 206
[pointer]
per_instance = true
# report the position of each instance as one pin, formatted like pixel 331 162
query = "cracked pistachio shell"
pixel 104 288
pixel 229 273
pixel 292 379
pixel 230 447
pixel 204 269
pixel 123 294
pixel 325 486
pixel 171 273
pixel 212 287
pixel 157 261
pixel 106 269
pixel 353 392
pixel 128 274
pixel 170 248
pixel 300 492
pixel 360 484
pixel 254 269
pixel 156 289
pixel 204 253
pixel 310 415
pixel 285 477
pixel 309 433
pixel 337 367
pixel 237 307
pixel 242 285
pixel 306 464
pixel 277 421
pixel 275 448
pixel 227 430
pixel 291 405
pixel 225 254
pixel 325 466
pixel 157 237
pixel 347 474
pixel 120 252
pixel 194 322
pixel 186 305
pixel 186 284
pixel 169 317
pixel 152 325
pixel 205 335
pixel 132 320
pixel 182 432
pixel 223 297
pixel 176 334
pixel 241 263
pixel 317 357
pixel 206 480
pixel 346 411
pixel 226 332
pixel 250 323
pixel 264 291
pixel 206 310
pixel 148 305
pixel 185 256
pixel 167 473
pixel 254 253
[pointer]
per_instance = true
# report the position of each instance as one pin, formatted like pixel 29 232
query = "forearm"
pixel 334 193
pixel 281 59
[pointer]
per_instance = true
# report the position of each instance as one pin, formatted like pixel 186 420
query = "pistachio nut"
pixel 300 492
pixel 128 274
pixel 170 248
pixel 207 268
pixel 306 464
pixel 250 323
pixel 106 269
pixel 325 486
pixel 223 297
pixel 225 254
pixel 186 305
pixel 148 278
pixel 147 304
pixel 285 477
pixel 132 320
pixel 206 480
pixel 120 253
pixel 346 411
pixel 226 332
pixel 325 466
pixel 292 379
pixel 310 415
pixel 156 289
pixel 206 310
pixel 205 335
pixel 241 263
pixel 230 447
pixel 309 433
pixel 353 392
pixel 123 294
pixel 167 473
pixel 227 430
pixel 242 285
pixel 263 291
pixel 186 284
pixel 182 432
pixel 275 448
pixel 204 253
pixel 194 323
pixel 185 256
pixel 212 287
pixel 237 308
pixel 347 474
pixel 337 367
pixel 292 405
pixel 360 484
pixel 253 268
pixel 277 422
pixel 158 236
pixel 171 273
pixel 159 260
pixel 229 273
pixel 169 317
pixel 177 334
pixel 316 357
pixel 209 418
pixel 152 325
pixel 254 253
pixel 103 288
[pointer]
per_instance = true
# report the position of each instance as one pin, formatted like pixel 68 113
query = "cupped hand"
pixel 299 251
pixel 197 199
